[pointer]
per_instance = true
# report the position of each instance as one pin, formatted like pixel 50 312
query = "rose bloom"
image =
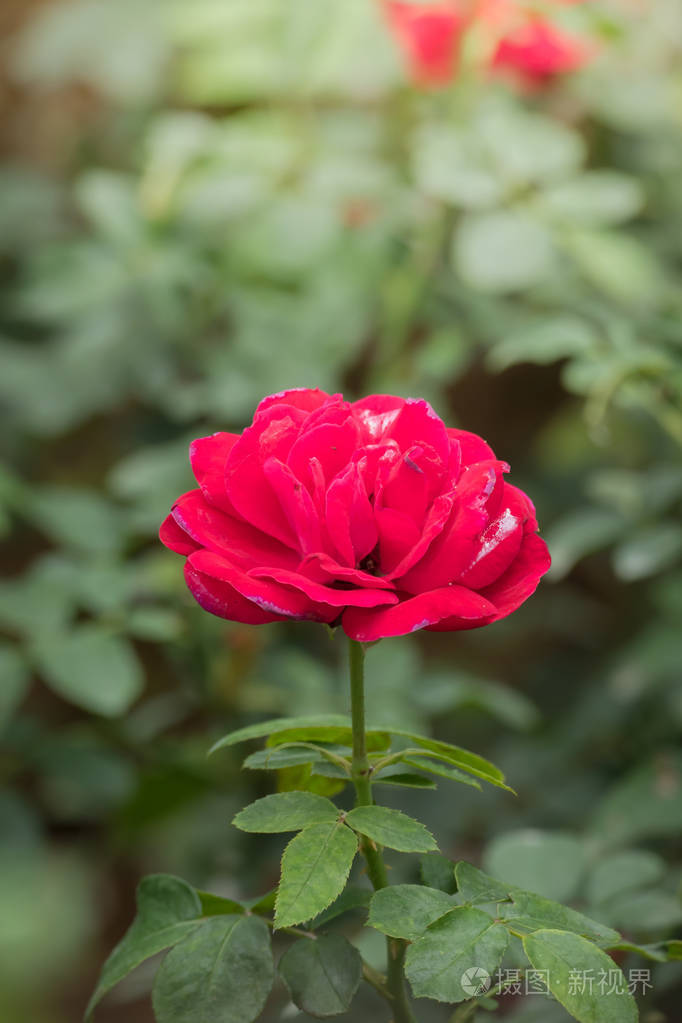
pixel 523 43
pixel 429 36
pixel 372 515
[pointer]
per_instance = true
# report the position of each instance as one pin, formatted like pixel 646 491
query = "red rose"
pixel 536 50
pixel 371 514
pixel 429 36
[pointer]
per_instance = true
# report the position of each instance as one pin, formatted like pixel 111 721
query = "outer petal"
pixel 208 457
pixel 221 599
pixel 175 538
pixel 242 543
pixel 269 596
pixel 521 578
pixel 473 447
pixel 304 398
pixel 416 613
pixel 500 542
pixel 321 594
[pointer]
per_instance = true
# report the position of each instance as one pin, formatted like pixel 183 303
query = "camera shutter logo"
pixel 475 981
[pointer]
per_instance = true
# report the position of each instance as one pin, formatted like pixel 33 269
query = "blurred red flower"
pixel 521 41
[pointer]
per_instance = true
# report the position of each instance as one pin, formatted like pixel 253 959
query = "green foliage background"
pixel 204 203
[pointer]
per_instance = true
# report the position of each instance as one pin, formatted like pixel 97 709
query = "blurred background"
pixel 202 203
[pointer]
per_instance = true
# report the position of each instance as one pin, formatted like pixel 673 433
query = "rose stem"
pixel 376 869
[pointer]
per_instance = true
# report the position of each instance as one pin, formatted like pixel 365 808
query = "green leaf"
pixel 406 910
pixel 320 727
pixel 462 940
pixel 322 975
pixel 574 968
pixel 90 667
pixel 551 863
pixel 315 867
pixel 464 759
pixel 217 905
pixel 285 811
pixel 352 897
pixel 502 251
pixel 441 770
pixel 221 973
pixel 526 911
pixel 475 886
pixel 168 909
pixel 623 872
pixel 595 197
pixel 274 758
pixel 392 828
pixel 16 679
pixel 438 871
pixel 530 912
pixel 404 779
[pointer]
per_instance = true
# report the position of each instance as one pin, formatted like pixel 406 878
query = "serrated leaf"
pixel 391 828
pixel 464 939
pixel 285 811
pixel 437 871
pixel 274 758
pixel 322 975
pixel 573 967
pixel 167 910
pixel 406 910
pixel 221 973
pixel 441 771
pixel 217 905
pixel 323 727
pixel 352 897
pixel 464 759
pixel 526 911
pixel 315 867
pixel 405 779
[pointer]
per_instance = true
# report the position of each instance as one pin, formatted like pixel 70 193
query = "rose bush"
pixel 372 515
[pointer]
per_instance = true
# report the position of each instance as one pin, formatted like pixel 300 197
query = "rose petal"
pixel 269 596
pixel 221 599
pixel 418 423
pixel 324 569
pixel 398 534
pixel 473 448
pixel 455 548
pixel 303 398
pixel 208 458
pixel 498 545
pixel 271 436
pixel 175 538
pixel 376 414
pixel 297 505
pixel 521 578
pixel 350 521
pixel 238 540
pixel 326 594
pixel 416 613
pixel 330 444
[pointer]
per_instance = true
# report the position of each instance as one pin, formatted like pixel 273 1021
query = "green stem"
pixel 376 869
